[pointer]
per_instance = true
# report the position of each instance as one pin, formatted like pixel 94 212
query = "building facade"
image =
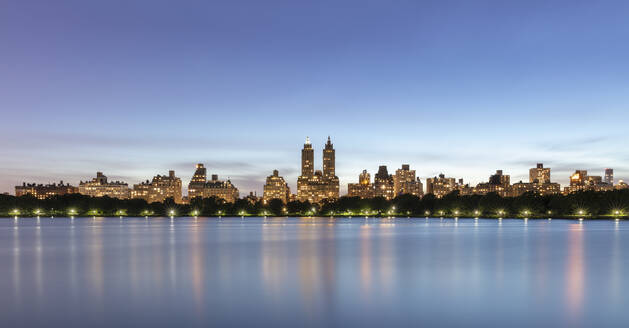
pixel 539 174
pixel 441 186
pixel 276 188
pixel 364 187
pixel 405 182
pixel 315 186
pixel 100 187
pixel 199 186
pixel 609 176
pixel 159 189
pixel 383 183
pixel 43 191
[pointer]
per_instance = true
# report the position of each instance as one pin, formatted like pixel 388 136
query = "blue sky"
pixel 135 88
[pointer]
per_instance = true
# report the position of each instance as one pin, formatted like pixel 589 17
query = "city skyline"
pixel 315 184
pixel 461 88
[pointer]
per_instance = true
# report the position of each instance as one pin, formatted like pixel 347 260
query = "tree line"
pixel 582 204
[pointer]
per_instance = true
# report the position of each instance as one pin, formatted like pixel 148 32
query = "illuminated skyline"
pixel 460 88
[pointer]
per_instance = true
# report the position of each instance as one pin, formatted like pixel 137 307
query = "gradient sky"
pixel 135 88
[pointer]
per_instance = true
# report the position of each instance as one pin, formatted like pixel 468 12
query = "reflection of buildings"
pixel 100 187
pixel 581 181
pixel 42 191
pixel 362 189
pixel 160 188
pixel 200 187
pixel 315 186
pixel 404 182
pixel 575 272
pixel 383 183
pixel 276 188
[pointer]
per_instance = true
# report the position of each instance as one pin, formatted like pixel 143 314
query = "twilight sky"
pixel 135 88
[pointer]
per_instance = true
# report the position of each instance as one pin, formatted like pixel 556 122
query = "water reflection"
pixel 315 271
pixel 575 273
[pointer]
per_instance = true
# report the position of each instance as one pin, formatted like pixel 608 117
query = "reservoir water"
pixel 311 272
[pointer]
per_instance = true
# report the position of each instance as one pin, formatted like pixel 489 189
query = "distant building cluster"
pixel 386 185
pixel 43 191
pixel 316 186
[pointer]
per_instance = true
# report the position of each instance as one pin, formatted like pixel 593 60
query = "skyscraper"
pixel 307 159
pixel 609 176
pixel 328 160
pixel 315 186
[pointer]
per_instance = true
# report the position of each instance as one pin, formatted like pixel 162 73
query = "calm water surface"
pixel 293 272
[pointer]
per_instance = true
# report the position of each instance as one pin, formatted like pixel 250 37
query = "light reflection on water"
pixel 312 272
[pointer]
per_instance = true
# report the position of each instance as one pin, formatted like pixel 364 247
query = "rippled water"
pixel 312 272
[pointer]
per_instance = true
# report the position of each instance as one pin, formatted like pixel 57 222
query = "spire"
pixel 307 140
pixel 329 141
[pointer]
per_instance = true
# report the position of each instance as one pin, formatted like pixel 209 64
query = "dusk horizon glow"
pixel 134 89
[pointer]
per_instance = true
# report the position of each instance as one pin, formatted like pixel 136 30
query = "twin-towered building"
pixel 315 186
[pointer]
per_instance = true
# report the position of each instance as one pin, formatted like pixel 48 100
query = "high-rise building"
pixel 539 174
pixel 276 188
pixel 100 187
pixel 329 160
pixel 199 187
pixel 364 187
pixel 196 186
pixel 441 186
pixel 383 183
pixel 609 176
pixel 315 186
pixel 43 191
pixel 158 189
pixel 307 159
pixel 404 182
